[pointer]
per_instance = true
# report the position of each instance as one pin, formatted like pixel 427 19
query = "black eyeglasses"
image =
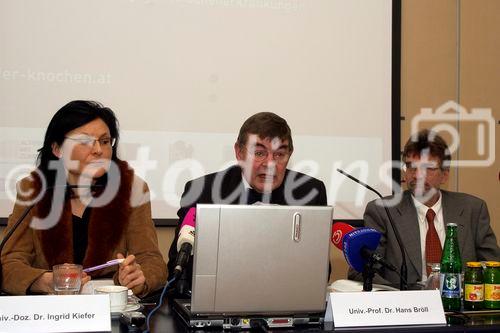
pixel 259 155
pixel 89 141
pixel 412 167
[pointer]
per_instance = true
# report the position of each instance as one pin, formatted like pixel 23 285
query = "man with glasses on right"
pixel 423 212
pixel 262 149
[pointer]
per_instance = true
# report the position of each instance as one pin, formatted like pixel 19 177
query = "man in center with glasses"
pixel 263 149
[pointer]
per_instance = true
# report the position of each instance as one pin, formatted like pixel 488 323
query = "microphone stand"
pixel 368 274
pixel 404 268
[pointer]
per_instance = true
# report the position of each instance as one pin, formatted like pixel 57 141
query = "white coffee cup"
pixel 118 296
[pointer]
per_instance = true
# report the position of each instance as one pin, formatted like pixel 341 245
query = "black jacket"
pixel 226 187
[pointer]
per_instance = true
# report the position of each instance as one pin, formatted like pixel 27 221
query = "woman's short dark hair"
pixel 73 115
pixel 431 142
pixel 265 125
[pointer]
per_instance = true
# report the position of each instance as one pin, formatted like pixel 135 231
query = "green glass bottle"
pixel 451 271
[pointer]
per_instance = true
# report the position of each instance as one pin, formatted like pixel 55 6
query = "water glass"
pixel 67 279
pixel 433 278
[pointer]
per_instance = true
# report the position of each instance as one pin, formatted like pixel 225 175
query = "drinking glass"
pixel 433 278
pixel 67 279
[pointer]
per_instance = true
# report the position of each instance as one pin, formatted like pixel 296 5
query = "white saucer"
pixel 128 308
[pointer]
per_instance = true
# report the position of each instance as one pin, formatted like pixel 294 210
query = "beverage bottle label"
pixel 492 292
pixel 474 292
pixel 450 285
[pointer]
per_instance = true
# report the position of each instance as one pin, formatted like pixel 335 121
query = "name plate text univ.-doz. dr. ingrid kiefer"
pixel 68 313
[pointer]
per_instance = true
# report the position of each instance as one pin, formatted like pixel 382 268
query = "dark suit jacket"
pixel 476 238
pixel 226 187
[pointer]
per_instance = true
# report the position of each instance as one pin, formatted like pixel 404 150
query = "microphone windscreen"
pixel 189 218
pixel 186 232
pixel 339 230
pixel 356 240
pixel 186 235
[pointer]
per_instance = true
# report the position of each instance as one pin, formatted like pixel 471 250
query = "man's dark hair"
pixel 265 125
pixel 432 143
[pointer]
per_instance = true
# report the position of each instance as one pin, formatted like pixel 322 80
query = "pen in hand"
pixel 107 264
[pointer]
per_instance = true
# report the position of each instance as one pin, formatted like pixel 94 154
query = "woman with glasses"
pixel 89 208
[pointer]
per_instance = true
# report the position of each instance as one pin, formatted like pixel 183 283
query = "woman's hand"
pixel 130 274
pixel 85 279
pixel 44 284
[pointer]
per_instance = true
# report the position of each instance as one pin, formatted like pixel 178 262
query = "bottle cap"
pixel 473 264
pixel 492 264
pixel 451 224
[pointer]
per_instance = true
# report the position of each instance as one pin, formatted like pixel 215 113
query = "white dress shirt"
pixel 423 226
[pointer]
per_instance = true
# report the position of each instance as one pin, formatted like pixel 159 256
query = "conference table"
pixel 166 320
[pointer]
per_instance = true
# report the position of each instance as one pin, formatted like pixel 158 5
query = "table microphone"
pixel 358 245
pixel 185 241
pixel 8 235
pixel 404 269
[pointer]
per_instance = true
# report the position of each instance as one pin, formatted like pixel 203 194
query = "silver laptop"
pixel 260 260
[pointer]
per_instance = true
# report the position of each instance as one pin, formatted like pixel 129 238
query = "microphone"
pixel 25 213
pixel 185 242
pixel 358 245
pixel 404 269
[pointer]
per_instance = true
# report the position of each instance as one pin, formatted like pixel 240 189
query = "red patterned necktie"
pixel 433 248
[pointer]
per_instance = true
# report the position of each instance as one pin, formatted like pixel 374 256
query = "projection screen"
pixel 183 75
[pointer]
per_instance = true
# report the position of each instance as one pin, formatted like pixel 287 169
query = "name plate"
pixel 67 313
pixel 385 308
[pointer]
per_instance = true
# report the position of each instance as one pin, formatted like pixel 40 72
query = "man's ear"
pixel 56 150
pixel 238 152
pixel 446 175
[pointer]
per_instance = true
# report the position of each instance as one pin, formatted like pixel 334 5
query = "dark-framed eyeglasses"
pixel 412 167
pixel 259 155
pixel 89 141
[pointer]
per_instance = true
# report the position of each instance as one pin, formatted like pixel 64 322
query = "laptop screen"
pixel 261 259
